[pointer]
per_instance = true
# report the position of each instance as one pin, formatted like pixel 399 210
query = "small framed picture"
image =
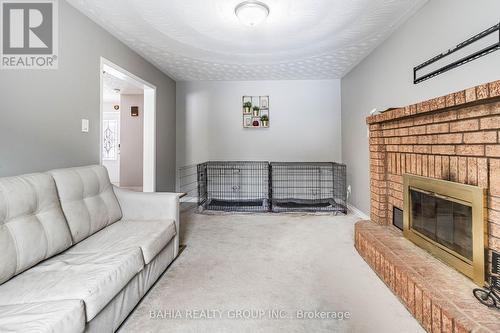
pixel 247 121
pixel 134 111
pixel 264 102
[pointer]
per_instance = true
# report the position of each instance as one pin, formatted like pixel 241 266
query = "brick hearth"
pixel 456 138
pixel 439 297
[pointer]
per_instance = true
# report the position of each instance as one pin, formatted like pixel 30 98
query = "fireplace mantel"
pixel 473 96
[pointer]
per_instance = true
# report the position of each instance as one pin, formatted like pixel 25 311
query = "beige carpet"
pixel 236 268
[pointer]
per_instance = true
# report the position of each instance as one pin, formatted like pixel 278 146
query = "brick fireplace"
pixel 454 138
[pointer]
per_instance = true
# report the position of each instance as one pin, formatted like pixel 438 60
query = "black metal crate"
pixel 234 186
pixel 301 186
pixel 202 184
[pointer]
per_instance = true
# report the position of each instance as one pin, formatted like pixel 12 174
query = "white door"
pixel 111 145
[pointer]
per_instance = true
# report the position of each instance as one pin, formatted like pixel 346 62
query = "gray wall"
pixel 131 141
pixel 41 111
pixel 304 116
pixel 385 77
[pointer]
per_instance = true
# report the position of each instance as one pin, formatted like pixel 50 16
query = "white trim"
pixel 149 149
pixel 358 212
pixel 149 163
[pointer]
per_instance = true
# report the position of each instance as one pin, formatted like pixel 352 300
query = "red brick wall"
pixel 454 137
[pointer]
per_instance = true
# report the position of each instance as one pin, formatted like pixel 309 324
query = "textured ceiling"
pixel 203 39
pixel 110 83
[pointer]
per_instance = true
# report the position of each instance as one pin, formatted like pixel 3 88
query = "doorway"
pixel 127 128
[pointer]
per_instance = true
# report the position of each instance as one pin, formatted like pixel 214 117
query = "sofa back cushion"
pixel 87 199
pixel 32 224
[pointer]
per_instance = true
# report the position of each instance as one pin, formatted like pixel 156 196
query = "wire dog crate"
pixel 312 187
pixel 234 186
pixel 272 187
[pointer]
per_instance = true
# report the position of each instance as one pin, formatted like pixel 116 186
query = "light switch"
pixel 85 125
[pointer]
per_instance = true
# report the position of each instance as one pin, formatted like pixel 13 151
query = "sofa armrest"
pixel 150 206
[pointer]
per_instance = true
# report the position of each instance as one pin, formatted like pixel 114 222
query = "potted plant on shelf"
pixel 247 106
pixel 256 110
pixel 265 120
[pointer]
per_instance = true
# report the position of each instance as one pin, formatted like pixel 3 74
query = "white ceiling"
pixel 204 40
pixel 110 83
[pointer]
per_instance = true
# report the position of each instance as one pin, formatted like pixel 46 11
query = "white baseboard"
pixel 357 212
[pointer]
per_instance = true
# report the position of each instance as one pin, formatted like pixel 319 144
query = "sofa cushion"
pixel 87 199
pixel 32 224
pixel 150 236
pixel 94 278
pixel 48 317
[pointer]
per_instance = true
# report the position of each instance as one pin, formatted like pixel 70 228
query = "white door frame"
pixel 149 163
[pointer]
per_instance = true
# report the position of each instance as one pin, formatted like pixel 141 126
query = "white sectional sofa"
pixel 76 253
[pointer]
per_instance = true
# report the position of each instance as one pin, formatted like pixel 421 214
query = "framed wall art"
pixel 255 111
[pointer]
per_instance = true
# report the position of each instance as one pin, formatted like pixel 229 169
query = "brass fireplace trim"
pixel 472 196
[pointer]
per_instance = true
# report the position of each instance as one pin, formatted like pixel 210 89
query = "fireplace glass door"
pixel 445 221
pixel 448 220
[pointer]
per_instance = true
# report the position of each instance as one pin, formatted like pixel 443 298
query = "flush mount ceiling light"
pixel 252 13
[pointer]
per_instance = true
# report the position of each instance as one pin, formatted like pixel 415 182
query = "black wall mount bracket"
pixel 425 71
